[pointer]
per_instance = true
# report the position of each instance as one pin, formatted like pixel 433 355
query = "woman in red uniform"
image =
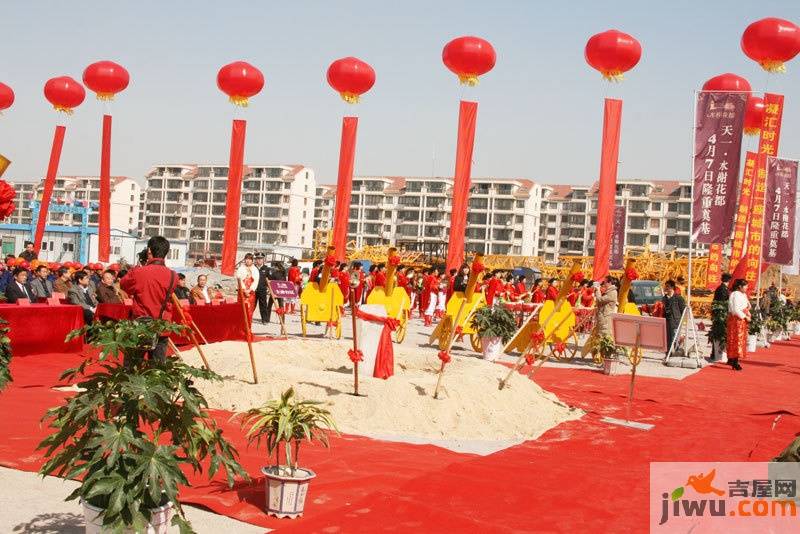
pixel 537 295
pixel 552 289
pixel 294 276
pixel 587 294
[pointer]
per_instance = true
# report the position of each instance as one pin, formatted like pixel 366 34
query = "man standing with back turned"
pixel 150 287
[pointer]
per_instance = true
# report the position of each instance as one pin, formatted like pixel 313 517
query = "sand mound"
pixel 472 408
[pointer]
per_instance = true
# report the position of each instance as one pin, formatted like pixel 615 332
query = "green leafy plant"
pixel 132 425
pixel 606 347
pixel 287 422
pixel 494 322
pixel 5 355
pixel 719 321
pixel 756 322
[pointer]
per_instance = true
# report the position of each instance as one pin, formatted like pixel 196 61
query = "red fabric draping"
pixel 104 215
pixel 606 196
pixel 736 340
pixel 230 237
pixel 42 328
pixel 467 117
pixel 49 183
pixel 344 186
pixel 217 322
pixel 113 312
pixel 384 360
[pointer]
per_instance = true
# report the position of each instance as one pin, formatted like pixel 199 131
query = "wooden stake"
pixel 354 309
pixel 247 331
pixel 173 347
pixel 176 305
pixel 450 338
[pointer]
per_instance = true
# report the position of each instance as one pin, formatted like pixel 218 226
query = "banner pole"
pixel 692 134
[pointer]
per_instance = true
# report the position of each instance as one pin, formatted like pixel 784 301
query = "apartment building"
pixel 187 201
pixel 324 203
pixel 414 212
pixel 657 213
pixel 125 206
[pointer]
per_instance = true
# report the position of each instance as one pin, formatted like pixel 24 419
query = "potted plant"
pixel 754 329
pixel 610 353
pixel 286 423
pixel 795 315
pixel 495 326
pixel 718 333
pixel 130 427
pixel 5 355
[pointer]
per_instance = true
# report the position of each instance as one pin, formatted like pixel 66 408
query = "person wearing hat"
pixel 28 254
pixel 262 293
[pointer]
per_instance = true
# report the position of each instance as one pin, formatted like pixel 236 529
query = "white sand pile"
pixel 470 408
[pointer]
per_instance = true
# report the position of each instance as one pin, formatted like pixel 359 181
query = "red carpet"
pixel 584 473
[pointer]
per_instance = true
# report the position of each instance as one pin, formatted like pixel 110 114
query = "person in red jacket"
pixel 294 276
pixel 430 290
pixel 359 291
pixel 494 286
pixel 587 294
pixel 552 289
pixel 520 290
pixel 537 293
pixel 150 287
pixel 344 282
pixel 574 295
pixel 380 275
pixel 451 279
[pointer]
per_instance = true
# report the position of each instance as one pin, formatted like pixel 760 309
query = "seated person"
pixel 181 291
pixel 41 286
pixel 107 289
pixel 63 281
pixel 201 292
pixel 81 295
pixel 18 288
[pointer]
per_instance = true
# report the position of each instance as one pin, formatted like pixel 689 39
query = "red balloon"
pixel 469 57
pixel 727 82
pixel 106 78
pixel 753 115
pixel 6 96
pixel 612 53
pixel 64 93
pixel 771 42
pixel 240 80
pixel 351 77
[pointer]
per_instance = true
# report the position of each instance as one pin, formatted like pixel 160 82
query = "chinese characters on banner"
pixel 618 239
pixel 743 211
pixel 779 212
pixel 767 146
pixel 714 269
pixel 717 150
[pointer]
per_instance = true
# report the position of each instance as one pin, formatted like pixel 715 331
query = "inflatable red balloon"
pixel 240 81
pixel 727 82
pixel 351 77
pixel 613 53
pixel 64 93
pixel 6 96
pixel 753 115
pixel 469 57
pixel 771 42
pixel 106 78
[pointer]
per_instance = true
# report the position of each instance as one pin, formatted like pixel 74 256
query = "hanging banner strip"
pixel 743 210
pixel 779 211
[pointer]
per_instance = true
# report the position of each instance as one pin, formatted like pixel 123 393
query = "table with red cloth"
pixel 114 312
pixel 42 328
pixel 217 322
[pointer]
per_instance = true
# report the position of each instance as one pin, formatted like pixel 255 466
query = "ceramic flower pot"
pixel 286 492
pixel 492 348
pixel 751 343
pixel 160 519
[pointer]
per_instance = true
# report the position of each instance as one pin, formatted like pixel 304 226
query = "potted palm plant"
pixel 611 354
pixel 130 428
pixel 717 334
pixel 5 355
pixel 495 326
pixel 286 423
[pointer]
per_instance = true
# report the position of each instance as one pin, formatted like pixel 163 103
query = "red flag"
pixel 104 215
pixel 607 193
pixel 344 186
pixel 467 117
pixel 230 237
pixel 49 183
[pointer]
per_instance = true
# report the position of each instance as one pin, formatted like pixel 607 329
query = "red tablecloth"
pixel 219 322
pixel 41 328
pixel 114 312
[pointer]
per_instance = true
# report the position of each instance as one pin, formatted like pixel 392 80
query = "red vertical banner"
pixel 49 183
pixel 606 197
pixel 714 267
pixel 230 238
pixel 467 118
pixel 771 127
pixel 104 215
pixel 756 227
pixel 344 186
pixel 743 210
pixel 779 211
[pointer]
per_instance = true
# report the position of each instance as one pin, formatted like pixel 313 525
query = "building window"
pixel 68 247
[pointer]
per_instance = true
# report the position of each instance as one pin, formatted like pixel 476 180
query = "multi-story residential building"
pixel 324 202
pixel 414 212
pixel 187 201
pixel 657 213
pixel 124 201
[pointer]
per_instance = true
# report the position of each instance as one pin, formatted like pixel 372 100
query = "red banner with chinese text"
pixel 756 228
pixel 743 210
pixel 714 268
pixel 771 127
pixel 779 211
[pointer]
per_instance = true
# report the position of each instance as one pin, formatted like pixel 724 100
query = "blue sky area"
pixel 540 109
